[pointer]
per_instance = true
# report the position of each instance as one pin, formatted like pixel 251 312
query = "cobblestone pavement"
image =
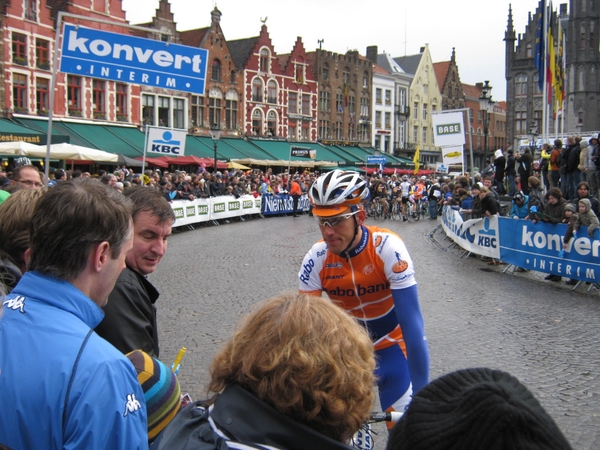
pixel 475 315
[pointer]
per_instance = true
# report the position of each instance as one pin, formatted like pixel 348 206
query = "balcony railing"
pixel 402 110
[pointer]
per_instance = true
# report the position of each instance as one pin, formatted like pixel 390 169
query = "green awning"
pixel 281 151
pixel 226 148
pixel 121 140
pixel 249 148
pixel 195 147
pixel 132 136
pixel 102 138
pixel 35 128
pixel 11 132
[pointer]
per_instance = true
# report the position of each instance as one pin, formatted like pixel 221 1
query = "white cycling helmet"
pixel 335 191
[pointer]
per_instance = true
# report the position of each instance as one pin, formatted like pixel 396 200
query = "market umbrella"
pixel 75 152
pixel 235 165
pixel 19 148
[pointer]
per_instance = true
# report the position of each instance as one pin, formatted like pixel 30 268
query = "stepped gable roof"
pixel 283 60
pixel 193 38
pixel 441 71
pixel 409 63
pixel 240 50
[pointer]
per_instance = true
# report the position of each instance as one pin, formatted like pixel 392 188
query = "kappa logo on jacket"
pixel 132 405
pixel 17 303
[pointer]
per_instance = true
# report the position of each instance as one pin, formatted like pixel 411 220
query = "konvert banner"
pixel 522 243
pixel 129 59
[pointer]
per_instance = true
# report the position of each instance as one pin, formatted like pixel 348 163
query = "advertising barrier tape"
pixel 283 204
pixel 188 212
pixel 479 236
pixel 525 244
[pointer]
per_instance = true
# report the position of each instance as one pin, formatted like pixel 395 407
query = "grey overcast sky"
pixel 475 28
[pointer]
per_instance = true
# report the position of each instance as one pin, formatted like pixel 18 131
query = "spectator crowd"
pixel 299 371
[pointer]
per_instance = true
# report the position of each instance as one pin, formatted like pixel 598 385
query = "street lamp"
pixel 533 131
pixel 215 134
pixel 485 103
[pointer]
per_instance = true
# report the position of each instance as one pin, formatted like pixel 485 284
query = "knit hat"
pixel 476 409
pixel 570 207
pixel 161 391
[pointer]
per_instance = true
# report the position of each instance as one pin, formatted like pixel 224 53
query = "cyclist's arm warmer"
pixel 408 312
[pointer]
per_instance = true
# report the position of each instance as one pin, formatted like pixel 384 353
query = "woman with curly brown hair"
pixel 297 374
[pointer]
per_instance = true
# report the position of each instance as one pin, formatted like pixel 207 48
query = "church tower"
pixel 583 63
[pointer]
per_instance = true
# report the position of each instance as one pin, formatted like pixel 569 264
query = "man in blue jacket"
pixel 64 387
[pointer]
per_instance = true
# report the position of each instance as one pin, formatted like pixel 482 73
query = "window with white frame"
pixel 272 92
pixel 74 95
pixel 215 97
pixel 99 99
pixel 170 111
pixel 292 103
pixel 272 123
pixel 231 109
pixel 257 122
pixel 178 113
pixel 197 108
pixel 306 104
pixel 164 106
pixel 148 109
pixel 364 106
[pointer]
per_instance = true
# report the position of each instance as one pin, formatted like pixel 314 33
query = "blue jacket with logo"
pixel 49 360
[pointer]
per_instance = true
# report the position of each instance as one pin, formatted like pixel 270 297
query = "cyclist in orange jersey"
pixel 368 271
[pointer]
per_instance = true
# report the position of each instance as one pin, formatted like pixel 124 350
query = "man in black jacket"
pixel 500 165
pixel 130 315
pixel 573 172
pixel 511 173
pixel 525 162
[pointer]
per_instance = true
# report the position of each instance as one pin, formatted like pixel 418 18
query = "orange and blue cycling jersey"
pixel 376 284
pixel 362 283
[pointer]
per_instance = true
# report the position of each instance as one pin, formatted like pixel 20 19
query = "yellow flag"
pixel 416 160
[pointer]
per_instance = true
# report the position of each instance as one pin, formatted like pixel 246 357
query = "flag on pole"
pixel 540 51
pixel 416 160
pixel 559 71
pixel 551 61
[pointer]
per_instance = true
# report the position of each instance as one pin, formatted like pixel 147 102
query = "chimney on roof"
pixel 372 53
pixel 422 49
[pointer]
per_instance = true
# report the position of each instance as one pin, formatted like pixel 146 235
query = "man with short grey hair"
pixel 130 316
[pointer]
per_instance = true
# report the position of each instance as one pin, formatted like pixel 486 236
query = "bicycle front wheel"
pixel 395 211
